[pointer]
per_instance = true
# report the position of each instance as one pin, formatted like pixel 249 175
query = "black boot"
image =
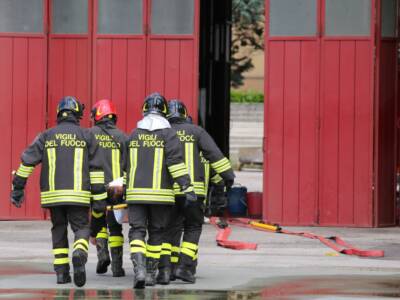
pixel 172 276
pixel 79 258
pixel 139 270
pixel 151 271
pixel 164 270
pixel 103 255
pixel 184 269
pixel 116 262
pixel 63 277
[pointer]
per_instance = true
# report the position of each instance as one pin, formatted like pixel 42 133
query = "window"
pixel 70 16
pixel 21 16
pixel 123 17
pixel 293 18
pixel 172 16
pixel 344 17
pixel 389 16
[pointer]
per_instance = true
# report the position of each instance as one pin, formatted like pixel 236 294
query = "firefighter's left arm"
pixel 31 157
pixel 99 194
pixel 174 160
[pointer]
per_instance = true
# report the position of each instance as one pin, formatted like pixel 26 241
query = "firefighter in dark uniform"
pixel 199 149
pixel 154 162
pixel 67 153
pixel 112 153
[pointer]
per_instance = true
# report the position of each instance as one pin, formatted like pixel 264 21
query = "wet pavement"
pixel 283 267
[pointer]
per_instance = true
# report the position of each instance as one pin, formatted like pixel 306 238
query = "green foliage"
pixel 247 36
pixel 246 97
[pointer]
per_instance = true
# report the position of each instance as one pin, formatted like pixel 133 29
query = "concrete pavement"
pixel 283 266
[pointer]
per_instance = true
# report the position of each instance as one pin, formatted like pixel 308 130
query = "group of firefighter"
pixel 164 168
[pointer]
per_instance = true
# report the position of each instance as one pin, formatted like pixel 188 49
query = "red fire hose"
pixel 333 242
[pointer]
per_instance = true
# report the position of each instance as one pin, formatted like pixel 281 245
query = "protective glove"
pixel 17 197
pixel 191 197
pixel 99 206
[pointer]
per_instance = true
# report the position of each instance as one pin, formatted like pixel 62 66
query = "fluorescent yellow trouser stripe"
pixel 138 246
pixel 157 169
pixel 102 196
pixel 60 251
pixel 115 158
pixel 97 215
pixel 51 154
pixel 189 252
pixel 103 234
pixel 174 259
pixel 116 241
pixel 166 249
pixel 190 246
pixel 81 244
pixel 78 162
pixel 153 251
pixel 61 261
pixel 175 249
pixel 124 180
pixel 189 159
pixel 24 171
pixel 133 163
pixel 96 177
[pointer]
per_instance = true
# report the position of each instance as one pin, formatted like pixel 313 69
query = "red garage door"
pixel 91 49
pixel 319 109
pixel 23 47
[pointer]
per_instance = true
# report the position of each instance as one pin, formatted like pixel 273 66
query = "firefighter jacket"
pixel 200 149
pixel 154 162
pixel 112 150
pixel 67 153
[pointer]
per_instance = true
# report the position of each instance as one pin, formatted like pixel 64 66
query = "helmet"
pixel 155 103
pixel 177 109
pixel 103 108
pixel 70 103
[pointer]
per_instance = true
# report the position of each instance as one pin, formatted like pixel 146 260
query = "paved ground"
pixel 283 267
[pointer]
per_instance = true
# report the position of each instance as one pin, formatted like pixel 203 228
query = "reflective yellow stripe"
pixel 157 169
pixel 60 251
pixel 61 261
pixel 97 215
pixel 206 177
pixel 188 252
pixel 82 242
pixel 115 241
pixel 222 165
pixel 174 259
pixel 96 177
pixel 154 198
pixel 124 180
pixel 175 249
pixel 133 164
pixel 103 234
pixel 138 246
pixel 51 154
pixel 49 194
pixel 153 248
pixel 24 171
pixel 216 178
pixel 78 163
pixel 115 161
pixel 189 245
pixel 102 196
pixel 189 159
pixel 166 249
pixel 153 255
pixel 176 167
pixel 80 246
pixel 139 243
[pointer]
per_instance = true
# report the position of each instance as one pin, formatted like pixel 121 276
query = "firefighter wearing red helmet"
pixel 112 153
pixel 67 153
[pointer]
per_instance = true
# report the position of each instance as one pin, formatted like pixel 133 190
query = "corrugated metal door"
pixel 172 50
pixel 23 47
pixel 119 64
pixel 319 112
pixel 69 61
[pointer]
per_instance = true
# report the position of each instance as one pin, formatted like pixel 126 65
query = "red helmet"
pixel 103 108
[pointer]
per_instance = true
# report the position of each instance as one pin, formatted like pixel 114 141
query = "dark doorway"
pixel 214 79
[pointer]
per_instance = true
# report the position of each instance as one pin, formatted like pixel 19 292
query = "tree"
pixel 247 36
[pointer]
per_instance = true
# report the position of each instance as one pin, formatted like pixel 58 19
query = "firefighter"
pixel 154 162
pixel 112 153
pixel 199 150
pixel 67 153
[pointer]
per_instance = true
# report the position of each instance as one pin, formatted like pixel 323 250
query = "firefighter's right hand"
pixel 99 206
pixel 17 197
pixel 191 197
